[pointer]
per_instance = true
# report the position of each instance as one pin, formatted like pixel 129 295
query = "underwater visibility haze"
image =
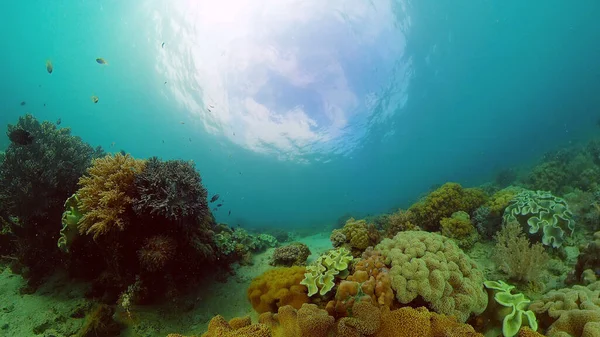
pixel 228 128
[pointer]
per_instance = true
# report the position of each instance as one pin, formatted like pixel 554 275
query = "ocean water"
pixel 298 112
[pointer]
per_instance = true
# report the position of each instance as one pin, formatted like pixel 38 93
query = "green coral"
pixel 70 220
pixel 518 303
pixel 542 211
pixel 320 276
pixel 441 203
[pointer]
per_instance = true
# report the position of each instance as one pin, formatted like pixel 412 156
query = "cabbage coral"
pixel 105 193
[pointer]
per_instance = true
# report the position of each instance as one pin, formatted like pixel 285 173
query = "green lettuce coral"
pixel 542 212
pixel 517 303
pixel 70 220
pixel 320 276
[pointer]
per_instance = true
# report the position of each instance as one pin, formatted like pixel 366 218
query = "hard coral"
pixel 170 189
pixel 105 193
pixel 444 201
pixel 276 288
pixel 294 254
pixel 428 267
pixel 358 236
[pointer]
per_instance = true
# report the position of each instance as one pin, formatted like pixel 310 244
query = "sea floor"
pixel 53 310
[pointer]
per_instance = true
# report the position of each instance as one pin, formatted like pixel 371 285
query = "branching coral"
pixel 170 189
pixel 515 256
pixel 431 268
pixel 105 193
pixel 444 201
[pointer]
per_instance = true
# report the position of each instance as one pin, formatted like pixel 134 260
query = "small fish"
pixel 163 141
pixel 229 212
pixel 44 105
pixel 101 61
pixel 58 121
pixel 219 205
pixel 23 103
pixel 214 198
pixel 190 139
pixel 49 66
pixel 165 82
pixel 209 110
pixel 123 152
pixel 182 123
pixel 162 45
pixel 234 133
pixel 112 144
pixel 20 137
pixel 95 99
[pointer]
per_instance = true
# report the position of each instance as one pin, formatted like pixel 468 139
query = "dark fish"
pixel 21 137
pixel 214 198
pixel 95 99
pixel 163 45
pixel 163 141
pixel 44 104
pixel 101 61
pixel 123 152
pixel 219 205
pixel 23 103
pixel 165 82
pixel 209 110
pixel 49 67
pixel 234 133
pixel 58 121
pixel 229 212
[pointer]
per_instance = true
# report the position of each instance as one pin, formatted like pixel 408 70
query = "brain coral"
pixel 542 211
pixel 430 267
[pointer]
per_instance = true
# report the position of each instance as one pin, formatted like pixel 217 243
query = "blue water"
pixel 317 108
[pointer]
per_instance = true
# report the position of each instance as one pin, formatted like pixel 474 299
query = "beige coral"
pixel 431 267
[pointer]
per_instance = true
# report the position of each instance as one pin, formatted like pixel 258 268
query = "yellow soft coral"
pixel 444 201
pixel 104 194
pixel 309 320
pixel 276 288
pixel 500 200
pixel 430 267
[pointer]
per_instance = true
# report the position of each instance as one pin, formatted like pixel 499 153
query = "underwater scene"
pixel 289 168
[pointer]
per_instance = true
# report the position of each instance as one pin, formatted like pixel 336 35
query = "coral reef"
pixel 430 268
pixel 516 256
pixel 571 312
pixel 516 315
pixel 441 203
pixel 399 221
pixel 544 214
pixel 356 235
pixel 309 320
pixel 276 288
pixel 170 189
pixel 157 252
pixel 294 254
pixel 70 220
pixel 105 193
pixel 370 280
pixel 320 276
pixel 589 257
pixel 460 228
pixel 35 181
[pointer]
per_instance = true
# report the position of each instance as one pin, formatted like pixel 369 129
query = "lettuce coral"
pixel 544 213
pixel 430 267
pixel 276 288
pixel 441 203
pixel 320 276
pixel 105 193
pixel 517 303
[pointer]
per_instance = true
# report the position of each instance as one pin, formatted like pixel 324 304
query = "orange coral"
pixel 104 193
pixel 278 287
pixel 370 280
pixel 309 320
